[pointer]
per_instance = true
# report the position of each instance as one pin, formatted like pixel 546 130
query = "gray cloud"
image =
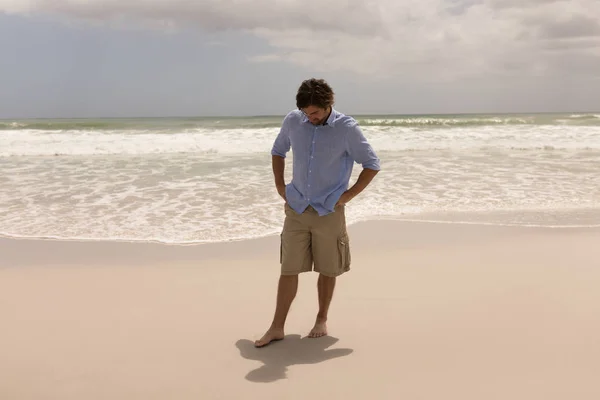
pixel 577 26
pixel 572 45
pixel 359 17
pixel 431 40
pixel 520 4
pixel 459 7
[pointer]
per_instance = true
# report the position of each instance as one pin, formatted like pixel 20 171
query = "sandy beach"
pixel 428 311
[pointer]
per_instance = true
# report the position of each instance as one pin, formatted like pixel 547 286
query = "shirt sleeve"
pixel 360 150
pixel 282 142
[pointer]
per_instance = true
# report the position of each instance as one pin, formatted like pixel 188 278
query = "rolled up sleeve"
pixel 360 150
pixel 282 142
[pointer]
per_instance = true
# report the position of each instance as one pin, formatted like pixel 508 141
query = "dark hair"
pixel 314 92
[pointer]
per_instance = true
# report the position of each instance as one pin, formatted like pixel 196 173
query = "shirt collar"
pixel 330 120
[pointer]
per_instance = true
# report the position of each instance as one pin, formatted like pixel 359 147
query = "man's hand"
pixel 363 180
pixel 281 191
pixel 278 168
pixel 344 198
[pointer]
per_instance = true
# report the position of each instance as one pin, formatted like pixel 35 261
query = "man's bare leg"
pixel 286 292
pixel 325 286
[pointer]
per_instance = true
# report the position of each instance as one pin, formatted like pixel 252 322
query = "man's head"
pixel 314 99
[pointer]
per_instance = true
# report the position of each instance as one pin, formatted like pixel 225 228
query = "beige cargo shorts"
pixel 309 240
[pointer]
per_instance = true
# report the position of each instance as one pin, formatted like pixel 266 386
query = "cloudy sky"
pixel 115 58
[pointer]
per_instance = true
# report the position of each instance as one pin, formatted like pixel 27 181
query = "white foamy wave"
pixel 185 198
pixel 584 116
pixel 40 143
pixel 260 140
pixel 485 138
pixel 438 121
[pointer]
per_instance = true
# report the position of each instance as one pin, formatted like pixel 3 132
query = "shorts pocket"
pixel 344 252
pixel 286 208
pixel 280 248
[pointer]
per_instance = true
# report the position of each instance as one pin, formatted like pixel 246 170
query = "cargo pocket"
pixel 344 250
pixel 280 248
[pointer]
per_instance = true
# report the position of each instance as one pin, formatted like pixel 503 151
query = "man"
pixel 325 144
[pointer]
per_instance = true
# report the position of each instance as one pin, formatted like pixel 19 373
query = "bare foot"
pixel 320 329
pixel 272 335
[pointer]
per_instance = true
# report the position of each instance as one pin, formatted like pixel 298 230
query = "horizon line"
pixel 283 115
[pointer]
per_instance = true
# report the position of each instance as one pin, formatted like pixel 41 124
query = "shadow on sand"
pixel 293 350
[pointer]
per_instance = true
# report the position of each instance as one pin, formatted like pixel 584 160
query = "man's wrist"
pixel 351 193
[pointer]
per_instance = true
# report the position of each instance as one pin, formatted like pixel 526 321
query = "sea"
pixel 202 180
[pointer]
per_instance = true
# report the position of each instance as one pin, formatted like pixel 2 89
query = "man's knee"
pixel 327 278
pixel 288 276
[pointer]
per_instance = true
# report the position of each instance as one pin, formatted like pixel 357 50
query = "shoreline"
pixel 351 225
pixel 364 235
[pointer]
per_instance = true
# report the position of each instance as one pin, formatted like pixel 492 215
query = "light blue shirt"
pixel 323 157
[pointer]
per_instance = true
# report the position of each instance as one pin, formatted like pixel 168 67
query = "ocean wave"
pixel 481 120
pixel 182 198
pixel 175 125
pixel 155 125
pixel 546 148
pixel 258 141
pixel 273 229
pixel 443 122
pixel 72 146
pixel 239 152
pixel 584 116
pixel 40 143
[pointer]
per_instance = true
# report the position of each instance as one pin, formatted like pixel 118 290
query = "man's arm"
pixel 278 169
pixel 361 151
pixel 278 153
pixel 365 177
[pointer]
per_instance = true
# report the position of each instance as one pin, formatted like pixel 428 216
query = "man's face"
pixel 315 114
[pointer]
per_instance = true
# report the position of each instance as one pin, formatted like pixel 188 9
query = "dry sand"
pixel 428 311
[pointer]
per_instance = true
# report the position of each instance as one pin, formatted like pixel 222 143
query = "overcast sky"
pixel 116 58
